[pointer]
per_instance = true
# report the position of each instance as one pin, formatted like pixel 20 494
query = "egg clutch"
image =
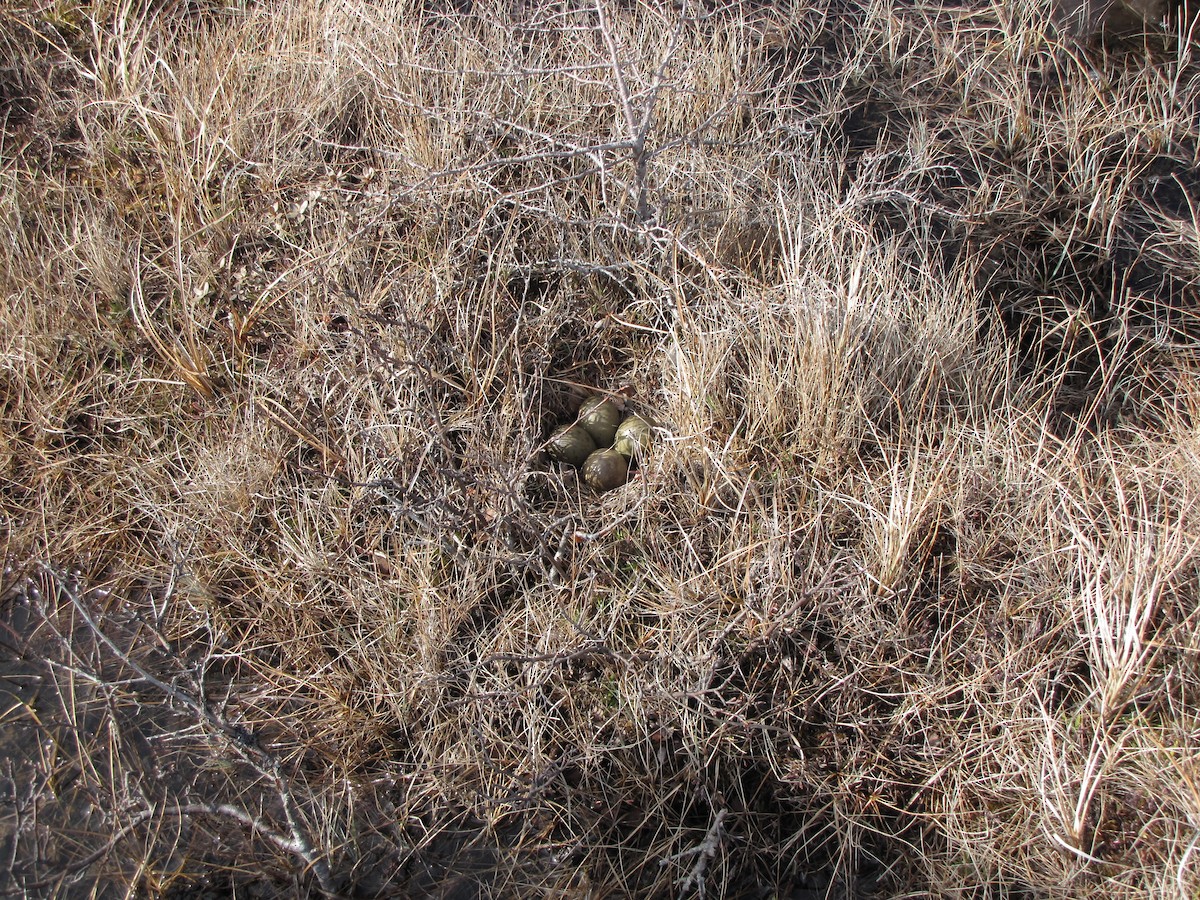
pixel 601 443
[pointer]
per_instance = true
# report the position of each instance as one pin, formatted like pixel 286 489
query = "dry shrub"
pixel 902 603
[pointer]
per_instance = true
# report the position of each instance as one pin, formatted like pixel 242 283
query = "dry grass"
pixel 904 602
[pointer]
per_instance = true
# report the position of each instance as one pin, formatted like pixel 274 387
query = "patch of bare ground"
pixel 903 601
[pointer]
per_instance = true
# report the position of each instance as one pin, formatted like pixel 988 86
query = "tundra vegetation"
pixel 901 601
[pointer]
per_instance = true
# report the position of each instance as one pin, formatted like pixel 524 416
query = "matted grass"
pixel 902 603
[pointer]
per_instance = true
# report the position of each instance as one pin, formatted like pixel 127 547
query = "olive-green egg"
pixel 600 417
pixel 570 444
pixel 633 437
pixel 605 470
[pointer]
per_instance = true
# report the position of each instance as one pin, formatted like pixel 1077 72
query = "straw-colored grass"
pixel 903 602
